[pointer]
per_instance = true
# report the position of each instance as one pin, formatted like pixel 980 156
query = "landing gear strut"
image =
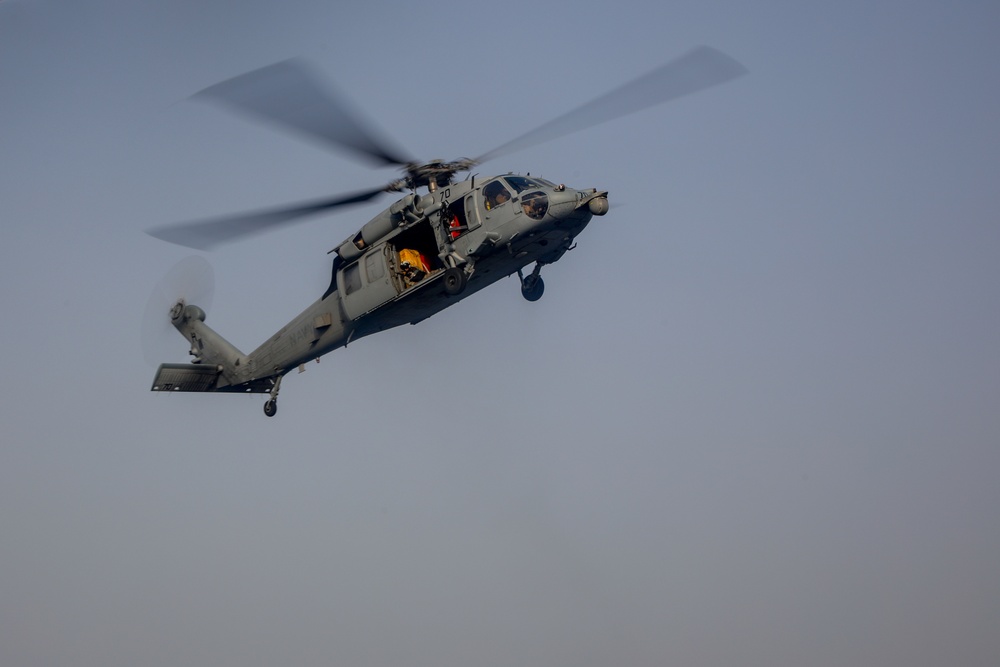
pixel 532 286
pixel 271 404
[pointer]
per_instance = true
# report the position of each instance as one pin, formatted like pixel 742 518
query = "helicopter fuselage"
pixel 393 271
pixel 412 260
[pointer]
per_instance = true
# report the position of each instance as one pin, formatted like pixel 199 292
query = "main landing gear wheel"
pixel 532 288
pixel 455 281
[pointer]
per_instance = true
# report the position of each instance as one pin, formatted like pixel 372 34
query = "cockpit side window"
pixel 495 194
pixel 535 204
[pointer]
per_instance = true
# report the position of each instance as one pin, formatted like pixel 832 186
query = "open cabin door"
pixel 367 283
pixel 461 215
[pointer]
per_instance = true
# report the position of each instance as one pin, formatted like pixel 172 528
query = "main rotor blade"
pixel 289 95
pixel 697 70
pixel 206 234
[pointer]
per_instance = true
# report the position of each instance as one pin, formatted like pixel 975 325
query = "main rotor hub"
pixel 434 174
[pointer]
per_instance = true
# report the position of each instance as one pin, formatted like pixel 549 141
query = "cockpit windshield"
pixel 522 183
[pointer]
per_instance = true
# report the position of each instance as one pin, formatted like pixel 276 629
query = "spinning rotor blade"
pixel 206 234
pixel 697 70
pixel 289 95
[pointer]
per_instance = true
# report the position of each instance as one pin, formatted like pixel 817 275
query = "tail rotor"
pixel 189 282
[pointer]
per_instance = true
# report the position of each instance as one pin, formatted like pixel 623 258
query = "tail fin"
pixel 217 362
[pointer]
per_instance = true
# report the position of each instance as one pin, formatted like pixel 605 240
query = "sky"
pixel 753 420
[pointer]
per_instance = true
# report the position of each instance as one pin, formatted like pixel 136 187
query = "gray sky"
pixel 753 421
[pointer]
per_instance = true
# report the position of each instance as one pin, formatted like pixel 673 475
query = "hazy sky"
pixel 753 420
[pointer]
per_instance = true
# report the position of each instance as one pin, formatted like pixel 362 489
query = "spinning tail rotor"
pixel 189 282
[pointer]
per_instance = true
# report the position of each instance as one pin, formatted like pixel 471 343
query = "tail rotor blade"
pixel 192 281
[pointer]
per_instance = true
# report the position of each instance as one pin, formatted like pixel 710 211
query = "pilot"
pixel 495 194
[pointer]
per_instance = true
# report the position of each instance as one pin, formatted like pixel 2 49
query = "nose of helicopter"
pixel 567 204
pixel 563 200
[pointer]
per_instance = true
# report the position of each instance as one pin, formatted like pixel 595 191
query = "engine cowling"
pixel 408 210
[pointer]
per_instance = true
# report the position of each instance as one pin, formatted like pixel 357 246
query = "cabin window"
pixel 374 266
pixel 352 278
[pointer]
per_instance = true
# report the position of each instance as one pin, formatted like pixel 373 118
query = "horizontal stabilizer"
pixel 185 377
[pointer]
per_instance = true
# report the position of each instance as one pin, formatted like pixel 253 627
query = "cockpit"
pixel 495 194
pixel 534 203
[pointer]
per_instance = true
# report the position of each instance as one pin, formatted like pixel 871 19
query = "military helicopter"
pixel 428 250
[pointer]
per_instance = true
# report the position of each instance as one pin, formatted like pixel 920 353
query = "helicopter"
pixel 442 241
